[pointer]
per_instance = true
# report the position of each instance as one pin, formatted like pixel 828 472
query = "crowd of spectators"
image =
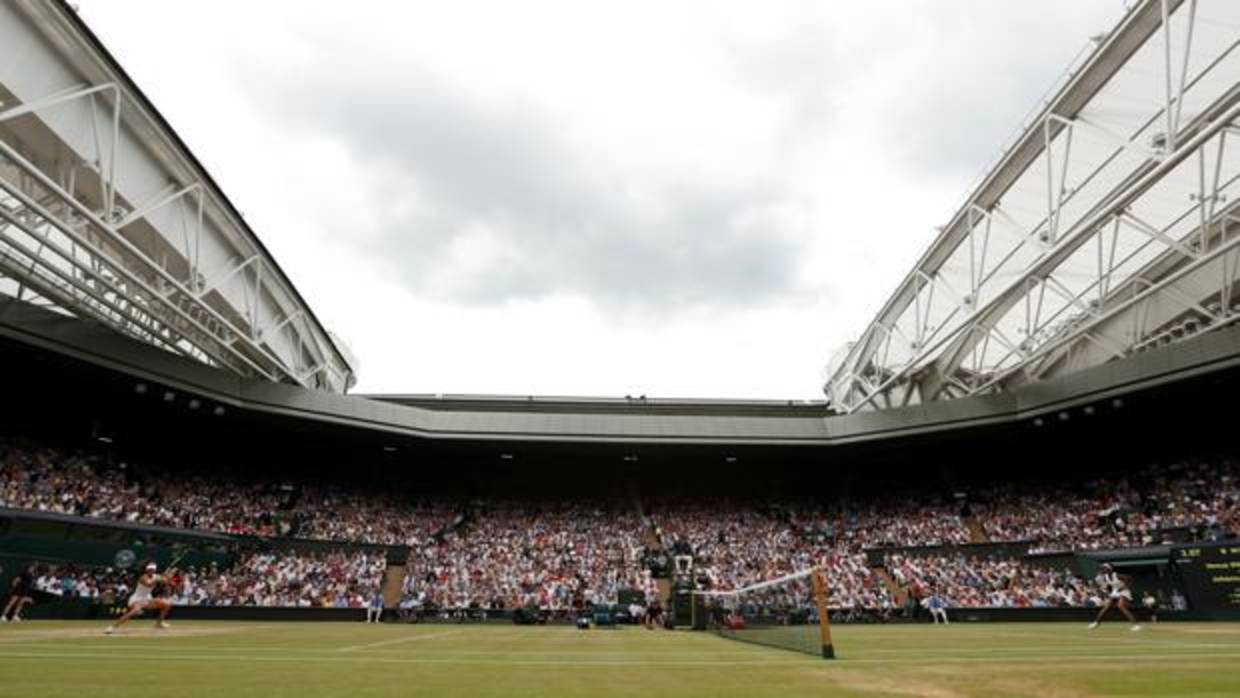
pixel 349 579
pixel 86 485
pixel 734 546
pixel 973 582
pixel 337 579
pixel 530 554
pixel 1187 501
pixel 1168 503
pixel 558 556
pixel 899 522
pixel 308 580
pixel 74 582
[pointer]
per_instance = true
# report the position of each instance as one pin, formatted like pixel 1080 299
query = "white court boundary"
pixel 215 657
pixel 397 641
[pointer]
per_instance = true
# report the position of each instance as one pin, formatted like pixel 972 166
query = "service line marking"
pixel 399 640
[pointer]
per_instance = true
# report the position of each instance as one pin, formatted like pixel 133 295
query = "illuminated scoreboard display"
pixel 1211 576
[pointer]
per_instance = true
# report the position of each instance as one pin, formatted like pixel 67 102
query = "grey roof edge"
pixel 98 345
pixel 586 403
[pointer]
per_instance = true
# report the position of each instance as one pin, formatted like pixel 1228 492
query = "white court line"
pixel 128 648
pixel 919 652
pixel 133 632
pixel 1064 647
pixel 384 643
pixel 1179 657
pixel 354 659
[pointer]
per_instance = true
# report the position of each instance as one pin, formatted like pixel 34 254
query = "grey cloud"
pixel 564 221
pixel 978 87
pixel 801 67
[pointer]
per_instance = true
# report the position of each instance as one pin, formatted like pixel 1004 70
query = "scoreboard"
pixel 1211 576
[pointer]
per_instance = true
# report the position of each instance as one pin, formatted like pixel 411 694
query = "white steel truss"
pixel 105 214
pixel 1109 227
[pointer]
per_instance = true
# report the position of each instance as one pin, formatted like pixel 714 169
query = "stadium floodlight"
pixel 789 612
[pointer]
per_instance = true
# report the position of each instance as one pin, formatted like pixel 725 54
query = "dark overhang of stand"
pixel 583 420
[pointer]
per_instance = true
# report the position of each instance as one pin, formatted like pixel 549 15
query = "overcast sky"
pixel 677 199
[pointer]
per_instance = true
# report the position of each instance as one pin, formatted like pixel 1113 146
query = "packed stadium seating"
pixel 339 579
pixel 1147 507
pixel 497 553
pixel 980 582
pixel 513 555
pixel 736 546
pixel 43 479
pixel 342 579
pixel 70 581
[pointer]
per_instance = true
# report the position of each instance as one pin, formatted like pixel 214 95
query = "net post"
pixel 824 623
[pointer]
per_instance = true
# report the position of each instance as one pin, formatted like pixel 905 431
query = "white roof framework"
pixel 105 214
pixel 1110 226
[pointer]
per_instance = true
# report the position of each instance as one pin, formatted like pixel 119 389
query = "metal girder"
pixel 64 291
pixel 949 354
pixel 1123 328
pixel 32 230
pixel 145 281
pixel 1092 196
pixel 1117 215
pixel 105 213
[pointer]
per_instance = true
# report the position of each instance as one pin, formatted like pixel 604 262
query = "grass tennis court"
pixel 333 659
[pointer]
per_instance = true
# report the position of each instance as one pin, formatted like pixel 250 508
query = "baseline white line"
pixel 563 662
pixel 399 640
pixel 1066 647
pixel 876 653
pixel 354 659
pixel 133 633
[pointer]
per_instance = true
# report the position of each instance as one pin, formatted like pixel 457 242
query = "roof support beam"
pixel 953 346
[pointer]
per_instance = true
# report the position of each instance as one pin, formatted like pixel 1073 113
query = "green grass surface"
pixel 335 659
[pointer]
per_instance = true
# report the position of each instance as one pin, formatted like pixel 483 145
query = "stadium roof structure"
pixel 105 214
pixel 109 368
pixel 1110 226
